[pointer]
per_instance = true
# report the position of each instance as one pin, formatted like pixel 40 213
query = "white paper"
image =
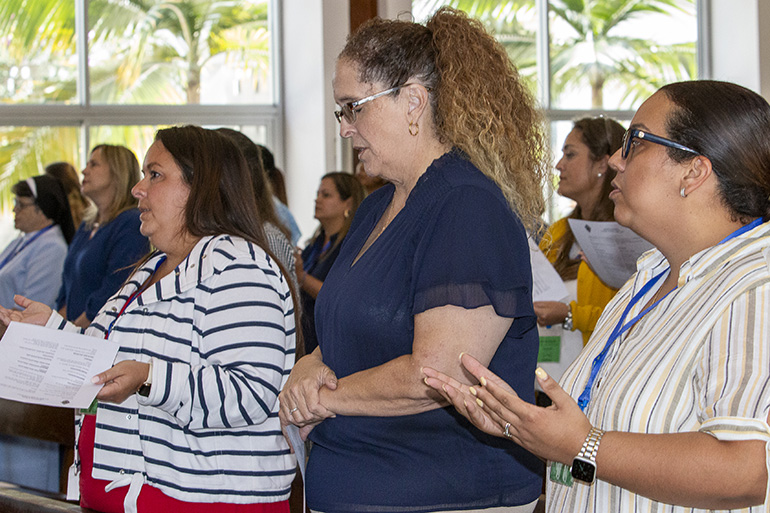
pixel 52 367
pixel 547 285
pixel 611 249
pixel 298 445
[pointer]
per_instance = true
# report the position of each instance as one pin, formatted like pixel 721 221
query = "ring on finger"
pixel 507 433
pixel 293 410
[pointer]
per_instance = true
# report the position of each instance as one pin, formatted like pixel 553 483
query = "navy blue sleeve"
pixel 474 253
pixel 125 247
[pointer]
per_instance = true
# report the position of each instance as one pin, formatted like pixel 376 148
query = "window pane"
pixel 38 63
pixel 603 58
pixel 140 138
pixel 512 22
pixel 158 52
pixel 24 152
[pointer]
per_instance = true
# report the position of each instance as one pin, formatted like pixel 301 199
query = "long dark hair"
pixel 603 137
pixel 221 199
pixel 263 192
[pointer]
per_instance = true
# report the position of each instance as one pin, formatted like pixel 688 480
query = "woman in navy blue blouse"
pixel 436 263
pixel 108 242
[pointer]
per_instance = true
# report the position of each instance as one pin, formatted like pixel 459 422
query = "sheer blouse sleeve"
pixel 473 253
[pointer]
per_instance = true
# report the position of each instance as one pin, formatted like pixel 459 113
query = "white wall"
pixel 740 43
pixel 313 33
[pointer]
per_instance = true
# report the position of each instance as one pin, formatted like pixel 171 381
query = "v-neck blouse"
pixel 455 242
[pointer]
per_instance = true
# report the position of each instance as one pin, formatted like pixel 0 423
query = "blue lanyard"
pixel 24 245
pixel 621 328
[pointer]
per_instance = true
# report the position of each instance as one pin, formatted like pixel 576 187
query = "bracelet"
pixel 567 324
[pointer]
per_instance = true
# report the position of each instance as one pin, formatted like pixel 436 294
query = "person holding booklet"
pixel 666 408
pixel 187 418
pixel 585 178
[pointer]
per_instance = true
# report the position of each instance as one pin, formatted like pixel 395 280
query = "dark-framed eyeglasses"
pixel 349 110
pixel 635 133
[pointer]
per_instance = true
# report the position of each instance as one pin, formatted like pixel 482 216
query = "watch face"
pixel 583 470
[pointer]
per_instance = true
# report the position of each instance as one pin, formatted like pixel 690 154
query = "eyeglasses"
pixel 350 109
pixel 635 133
pixel 20 205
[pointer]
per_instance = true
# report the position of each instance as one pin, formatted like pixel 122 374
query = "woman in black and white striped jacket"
pixel 187 417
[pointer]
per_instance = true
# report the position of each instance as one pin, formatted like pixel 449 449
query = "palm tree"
pixel 141 52
pixel 593 46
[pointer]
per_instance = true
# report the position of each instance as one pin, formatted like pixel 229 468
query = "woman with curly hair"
pixel 435 263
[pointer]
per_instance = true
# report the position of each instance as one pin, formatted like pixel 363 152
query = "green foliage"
pixel 140 52
pixel 594 47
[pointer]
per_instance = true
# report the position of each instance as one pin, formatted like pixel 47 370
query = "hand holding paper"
pixel 121 381
pixel 51 367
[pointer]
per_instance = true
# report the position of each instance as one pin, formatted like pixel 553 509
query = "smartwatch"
pixel 584 464
pixel 144 388
pixel 567 323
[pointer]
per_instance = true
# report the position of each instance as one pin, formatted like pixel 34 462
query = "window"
pixel 75 73
pixel 589 58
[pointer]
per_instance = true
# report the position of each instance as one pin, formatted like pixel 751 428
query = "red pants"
pixel 151 500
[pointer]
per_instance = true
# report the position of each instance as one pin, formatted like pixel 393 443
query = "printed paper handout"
pixel 611 249
pixel 52 367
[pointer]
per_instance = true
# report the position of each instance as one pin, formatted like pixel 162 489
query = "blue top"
pixel 455 242
pixel 95 268
pixel 317 261
pixel 35 270
pixel 286 217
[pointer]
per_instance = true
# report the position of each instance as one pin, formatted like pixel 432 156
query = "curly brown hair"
pixel 479 103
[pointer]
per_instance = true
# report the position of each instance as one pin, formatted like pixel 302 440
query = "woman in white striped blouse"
pixel 187 418
pixel 666 408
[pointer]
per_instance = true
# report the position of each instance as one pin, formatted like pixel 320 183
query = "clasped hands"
pixel 300 397
pixel 555 433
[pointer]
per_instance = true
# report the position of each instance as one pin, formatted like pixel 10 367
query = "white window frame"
pixel 84 115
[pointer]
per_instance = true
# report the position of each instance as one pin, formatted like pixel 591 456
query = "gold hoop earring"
pixel 346 213
pixel 416 128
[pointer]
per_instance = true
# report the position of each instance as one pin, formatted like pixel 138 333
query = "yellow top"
pixel 592 294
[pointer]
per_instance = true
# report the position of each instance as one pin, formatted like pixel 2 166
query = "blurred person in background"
pixel 278 235
pixel 278 187
pixel 339 196
pixel 68 176
pixel 108 243
pixel 31 265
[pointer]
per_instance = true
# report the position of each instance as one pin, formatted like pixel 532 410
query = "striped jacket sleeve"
pixel 241 327
pixel 734 371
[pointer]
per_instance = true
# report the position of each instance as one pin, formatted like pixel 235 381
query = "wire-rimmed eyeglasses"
pixel 350 109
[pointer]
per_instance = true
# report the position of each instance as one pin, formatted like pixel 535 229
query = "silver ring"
pixel 293 410
pixel 507 433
